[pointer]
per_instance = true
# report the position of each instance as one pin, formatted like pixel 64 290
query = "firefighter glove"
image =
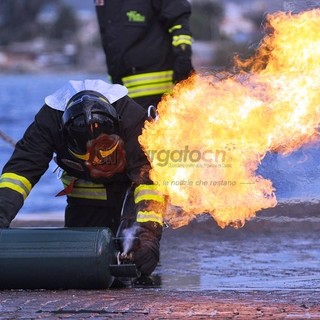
pixel 146 254
pixel 182 68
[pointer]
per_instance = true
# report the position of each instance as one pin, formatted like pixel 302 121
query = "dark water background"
pixel 295 177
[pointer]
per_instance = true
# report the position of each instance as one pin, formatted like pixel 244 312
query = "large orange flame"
pixel 214 129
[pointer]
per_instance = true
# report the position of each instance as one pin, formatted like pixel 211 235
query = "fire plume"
pixel 214 130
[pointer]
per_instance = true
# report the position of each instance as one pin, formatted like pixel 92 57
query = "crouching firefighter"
pixel 92 128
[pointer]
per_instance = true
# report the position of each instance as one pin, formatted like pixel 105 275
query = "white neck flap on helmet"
pixel 59 99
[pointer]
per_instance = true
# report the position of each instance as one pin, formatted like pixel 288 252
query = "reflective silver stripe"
pixel 147 216
pixel 150 83
pixel 17 183
pixel 147 78
pixel 85 189
pixel 149 90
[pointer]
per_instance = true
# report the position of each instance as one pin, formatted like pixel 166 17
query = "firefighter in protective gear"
pixel 92 127
pixel 147 45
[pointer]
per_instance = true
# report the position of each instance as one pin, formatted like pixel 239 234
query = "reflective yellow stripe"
pixel 85 193
pixel 147 78
pixel 84 157
pixel 147 192
pixel 66 179
pixel 176 27
pixel 17 183
pixel 106 153
pixel 85 189
pixel 149 90
pixel 141 187
pixel 147 84
pixel 147 216
pixel 181 39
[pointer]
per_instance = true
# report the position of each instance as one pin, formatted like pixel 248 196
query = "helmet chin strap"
pixel 106 156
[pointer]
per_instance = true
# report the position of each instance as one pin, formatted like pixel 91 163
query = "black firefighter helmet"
pixel 88 114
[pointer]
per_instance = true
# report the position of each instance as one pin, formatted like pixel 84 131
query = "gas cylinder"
pixel 56 258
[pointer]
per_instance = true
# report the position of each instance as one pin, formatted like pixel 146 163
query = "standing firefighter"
pixel 147 45
pixel 92 127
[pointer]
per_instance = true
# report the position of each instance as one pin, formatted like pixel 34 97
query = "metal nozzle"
pixel 125 268
pixel 125 257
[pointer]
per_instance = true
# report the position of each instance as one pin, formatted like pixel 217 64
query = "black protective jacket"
pixel 44 138
pixel 150 39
